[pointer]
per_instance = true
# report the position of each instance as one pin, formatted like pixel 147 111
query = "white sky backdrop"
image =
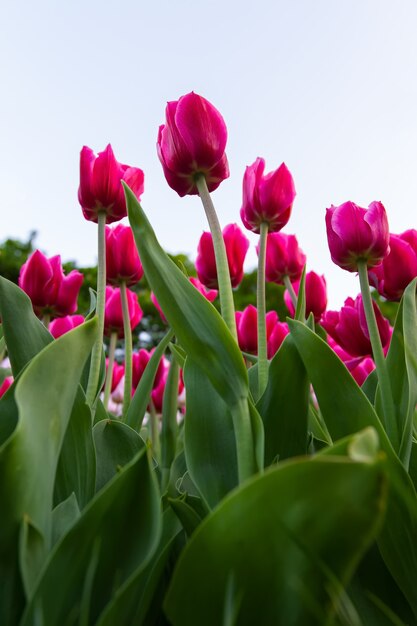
pixel 328 86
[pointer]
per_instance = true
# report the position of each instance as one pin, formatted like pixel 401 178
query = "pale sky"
pixel 328 86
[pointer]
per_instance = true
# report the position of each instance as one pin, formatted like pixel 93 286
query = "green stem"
pixel 46 320
pixel 379 358
pixel 101 302
pixel 110 367
pixel 169 422
pixel 261 306
pixel 291 291
pixel 223 275
pixel 127 392
pixel 154 423
pixel 245 445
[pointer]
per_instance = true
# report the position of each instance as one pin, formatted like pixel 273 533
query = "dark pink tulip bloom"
pixel 113 314
pixel 46 285
pixel 398 269
pixel 192 142
pixel 157 394
pixel 361 372
pixel 356 234
pixel 276 337
pixel 236 245
pixel 267 198
pixel 209 294
pixel 349 329
pixel 283 258
pixel 316 295
pixel 247 328
pixel 100 184
pixel 140 360
pixel 122 258
pixel 62 325
pixel 7 382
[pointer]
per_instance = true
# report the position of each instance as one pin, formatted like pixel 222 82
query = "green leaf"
pixel 120 529
pixel 24 333
pixel 64 515
pixel 199 327
pixel 190 520
pixel 76 471
pixel 116 445
pixel 284 405
pixel 285 547
pixel 300 313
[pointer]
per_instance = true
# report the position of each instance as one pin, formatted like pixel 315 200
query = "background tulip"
pixel 315 293
pixel 113 317
pixel 398 268
pixel 140 360
pixel 356 234
pixel 7 382
pixel 276 336
pixel 100 184
pixel 246 324
pixel 267 198
pixel 192 141
pixel 209 294
pixel 62 325
pixel 236 248
pixel 283 258
pixel 122 258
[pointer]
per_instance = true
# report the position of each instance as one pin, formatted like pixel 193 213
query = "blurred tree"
pixel 13 253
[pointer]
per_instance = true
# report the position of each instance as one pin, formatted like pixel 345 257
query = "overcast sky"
pixel 328 86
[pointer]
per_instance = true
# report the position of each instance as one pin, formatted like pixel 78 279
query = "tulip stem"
pixel 95 362
pixel 223 275
pixel 388 410
pixel 169 422
pixel 154 432
pixel 291 291
pixel 110 367
pixel 261 306
pixel 127 392
pixel 46 320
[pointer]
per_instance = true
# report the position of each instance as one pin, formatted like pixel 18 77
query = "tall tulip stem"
pixel 110 367
pixel 127 392
pixel 388 409
pixel 95 362
pixel 223 275
pixel 291 291
pixel 261 306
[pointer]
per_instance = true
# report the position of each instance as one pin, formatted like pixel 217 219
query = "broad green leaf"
pixel 189 518
pixel 210 447
pixel 119 529
pixel 282 547
pixel 140 400
pixel 169 429
pixel 116 445
pixel 9 413
pixel 284 405
pixel 199 327
pixel 76 471
pixel 346 410
pixel 63 517
pixel 24 333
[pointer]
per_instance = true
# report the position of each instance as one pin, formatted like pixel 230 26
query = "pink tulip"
pixel 209 294
pixel 276 337
pixel 267 198
pixel 157 393
pixel 113 315
pixel 236 245
pixel 122 258
pixel 398 268
pixel 361 372
pixel 7 382
pixel 192 142
pixel 62 325
pixel 349 329
pixel 140 360
pixel 356 234
pixel 316 296
pixel 247 328
pixel 100 184
pixel 117 375
pixel 283 258
pixel 49 290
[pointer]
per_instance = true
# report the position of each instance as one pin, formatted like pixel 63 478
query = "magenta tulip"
pixel 140 360
pixel 113 316
pixel 349 329
pixel 122 258
pixel 356 234
pixel 62 325
pixel 267 198
pixel 7 382
pixel 283 258
pixel 100 184
pixel 247 328
pixel 50 291
pixel 316 295
pixel 398 268
pixel 361 372
pixel 277 335
pixel 236 245
pixel 117 374
pixel 192 142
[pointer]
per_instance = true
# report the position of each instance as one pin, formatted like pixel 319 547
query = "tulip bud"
pixel 62 325
pixel 100 184
pixel 236 245
pixel 276 337
pixel 283 258
pixel 122 258
pixel 140 360
pixel 113 315
pixel 267 198
pixel 398 268
pixel 356 234
pixel 192 142
pixel 316 295
pixel 247 328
